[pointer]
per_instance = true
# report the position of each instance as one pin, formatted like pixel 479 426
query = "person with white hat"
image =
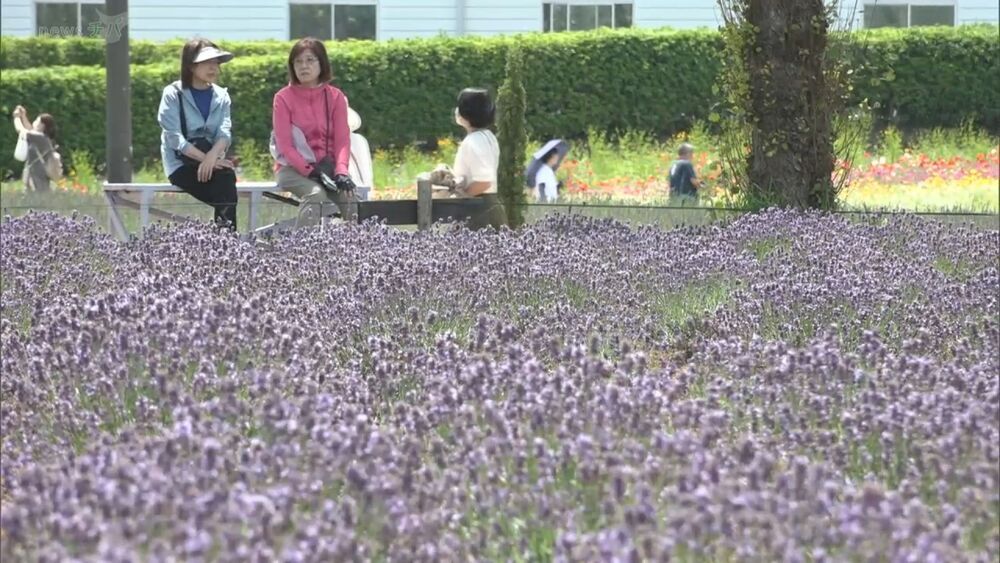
pixel 196 120
pixel 360 167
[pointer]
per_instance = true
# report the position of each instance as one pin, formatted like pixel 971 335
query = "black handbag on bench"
pixel 200 143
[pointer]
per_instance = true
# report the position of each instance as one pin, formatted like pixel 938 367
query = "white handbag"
pixel 21 149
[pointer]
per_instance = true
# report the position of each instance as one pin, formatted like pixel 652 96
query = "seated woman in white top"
pixel 360 166
pixel 477 159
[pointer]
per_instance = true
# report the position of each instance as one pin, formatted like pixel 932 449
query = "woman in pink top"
pixel 311 134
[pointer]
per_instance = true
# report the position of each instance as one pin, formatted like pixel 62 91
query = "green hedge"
pixel 652 80
pixel 43 51
pixel 935 77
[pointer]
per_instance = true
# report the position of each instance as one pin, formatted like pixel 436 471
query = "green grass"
pixel 633 155
pixel 956 270
pixel 15 202
pixel 629 155
pixel 763 248
pixel 960 199
pixel 677 309
pixel 399 168
pixel 966 141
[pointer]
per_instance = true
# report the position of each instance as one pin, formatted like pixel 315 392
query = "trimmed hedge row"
pixel 933 77
pixel 45 51
pixel 656 81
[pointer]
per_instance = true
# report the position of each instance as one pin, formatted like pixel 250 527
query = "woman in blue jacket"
pixel 197 129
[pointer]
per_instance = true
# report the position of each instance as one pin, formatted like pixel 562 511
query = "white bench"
pixel 117 196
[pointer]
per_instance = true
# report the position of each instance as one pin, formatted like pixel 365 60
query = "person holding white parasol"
pixel 541 171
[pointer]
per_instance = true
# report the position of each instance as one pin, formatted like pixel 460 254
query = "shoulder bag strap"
pixel 180 105
pixel 329 122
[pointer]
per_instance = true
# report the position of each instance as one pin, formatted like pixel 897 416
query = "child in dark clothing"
pixel 684 182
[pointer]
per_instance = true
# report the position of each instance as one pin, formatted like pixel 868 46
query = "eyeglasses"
pixel 307 61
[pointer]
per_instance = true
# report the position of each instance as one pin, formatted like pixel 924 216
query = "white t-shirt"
pixel 478 158
pixel 546 185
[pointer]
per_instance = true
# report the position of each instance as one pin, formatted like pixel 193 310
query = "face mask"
pixel 459 119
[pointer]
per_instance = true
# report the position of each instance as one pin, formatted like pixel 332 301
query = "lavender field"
pixel 784 387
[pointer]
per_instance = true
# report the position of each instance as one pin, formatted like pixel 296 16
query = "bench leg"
pixel 114 218
pixel 145 199
pixel 351 209
pixel 255 200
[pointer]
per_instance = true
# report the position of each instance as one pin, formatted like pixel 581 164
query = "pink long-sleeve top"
pixel 305 108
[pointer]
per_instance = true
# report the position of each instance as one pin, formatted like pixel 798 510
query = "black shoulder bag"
pixel 325 165
pixel 200 143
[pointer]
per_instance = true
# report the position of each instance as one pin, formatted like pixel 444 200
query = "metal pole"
pixel 118 118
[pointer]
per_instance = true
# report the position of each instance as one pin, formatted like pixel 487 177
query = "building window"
pixel 583 15
pixel 65 19
pixel 908 15
pixel 932 15
pixel 332 21
pixel 310 20
pixel 354 22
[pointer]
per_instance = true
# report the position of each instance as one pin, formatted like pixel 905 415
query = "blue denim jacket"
pixel 219 124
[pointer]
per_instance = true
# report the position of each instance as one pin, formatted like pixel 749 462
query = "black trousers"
pixel 219 192
pixel 492 213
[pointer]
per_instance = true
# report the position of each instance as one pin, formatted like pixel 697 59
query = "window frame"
pixel 953 4
pixel 333 21
pixel 80 32
pixel 550 6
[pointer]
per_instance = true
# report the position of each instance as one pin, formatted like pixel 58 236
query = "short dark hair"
pixel 318 49
pixel 188 53
pixel 476 106
pixel 50 125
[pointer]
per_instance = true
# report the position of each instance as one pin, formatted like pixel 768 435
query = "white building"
pixel 396 19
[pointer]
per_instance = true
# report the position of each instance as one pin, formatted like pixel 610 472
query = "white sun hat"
pixel 208 53
pixel 353 119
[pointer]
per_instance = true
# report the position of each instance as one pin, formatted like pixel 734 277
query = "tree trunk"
pixel 792 156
